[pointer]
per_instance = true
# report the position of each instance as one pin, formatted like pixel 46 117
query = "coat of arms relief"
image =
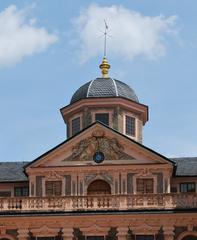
pixel 110 147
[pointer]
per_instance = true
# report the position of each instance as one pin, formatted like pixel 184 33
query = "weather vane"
pixel 105 38
pixel 104 66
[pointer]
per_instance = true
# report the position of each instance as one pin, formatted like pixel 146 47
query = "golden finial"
pixel 104 66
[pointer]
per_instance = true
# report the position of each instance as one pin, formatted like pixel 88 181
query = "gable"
pixel 98 142
pixel 117 149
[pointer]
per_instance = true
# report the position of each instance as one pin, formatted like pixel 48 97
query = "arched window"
pixel 99 187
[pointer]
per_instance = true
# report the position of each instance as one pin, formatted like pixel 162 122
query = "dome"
pixel 104 87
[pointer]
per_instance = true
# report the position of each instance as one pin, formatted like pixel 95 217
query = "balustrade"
pixel 107 202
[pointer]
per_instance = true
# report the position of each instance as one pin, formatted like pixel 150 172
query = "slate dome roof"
pixel 104 87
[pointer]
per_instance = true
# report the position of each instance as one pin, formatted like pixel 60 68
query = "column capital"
pixel 168 232
pixel 23 234
pixel 168 229
pixel 2 230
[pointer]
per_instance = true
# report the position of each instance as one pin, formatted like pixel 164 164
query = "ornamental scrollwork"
pixel 112 149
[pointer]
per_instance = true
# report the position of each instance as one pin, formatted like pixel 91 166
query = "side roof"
pixel 186 166
pixel 12 172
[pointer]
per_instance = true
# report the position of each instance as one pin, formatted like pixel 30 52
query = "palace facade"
pixel 102 183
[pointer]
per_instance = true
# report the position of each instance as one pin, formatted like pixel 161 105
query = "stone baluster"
pixel 95 202
pixel 4 204
pixel 23 234
pixel 67 233
pixel 168 232
pixel 123 202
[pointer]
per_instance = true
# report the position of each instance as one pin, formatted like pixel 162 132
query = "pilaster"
pixel 67 233
pixel 122 233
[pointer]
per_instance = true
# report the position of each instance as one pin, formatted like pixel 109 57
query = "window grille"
pixel 130 126
pixel 188 187
pixel 5 194
pixel 21 191
pixel 53 188
pixel 76 125
pixel 145 185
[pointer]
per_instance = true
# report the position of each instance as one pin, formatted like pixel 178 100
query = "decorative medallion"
pixel 98 157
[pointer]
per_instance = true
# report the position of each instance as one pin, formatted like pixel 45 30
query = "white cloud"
pixel 19 37
pixel 133 34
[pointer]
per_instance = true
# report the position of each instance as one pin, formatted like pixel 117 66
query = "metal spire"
pixel 104 66
pixel 105 39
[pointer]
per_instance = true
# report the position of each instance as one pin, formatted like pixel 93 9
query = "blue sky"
pixel 50 52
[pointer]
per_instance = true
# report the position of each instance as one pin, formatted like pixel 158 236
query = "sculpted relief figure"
pixel 111 148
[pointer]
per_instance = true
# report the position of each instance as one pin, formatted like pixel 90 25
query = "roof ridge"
pixel 116 89
pixel 89 87
pixel 183 158
pixel 14 161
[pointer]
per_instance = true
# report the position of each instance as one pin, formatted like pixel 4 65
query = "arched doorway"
pixel 7 237
pixel 190 237
pixel 99 187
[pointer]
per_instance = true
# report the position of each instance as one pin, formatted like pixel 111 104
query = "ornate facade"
pixel 101 183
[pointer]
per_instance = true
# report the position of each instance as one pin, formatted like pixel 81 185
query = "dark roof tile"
pixel 12 171
pixel 104 87
pixel 186 166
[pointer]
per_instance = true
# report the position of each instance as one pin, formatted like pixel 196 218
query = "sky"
pixel 48 49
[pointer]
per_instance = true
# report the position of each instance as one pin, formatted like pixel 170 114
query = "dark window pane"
pixel 140 185
pixel 149 186
pixel 75 125
pixel 17 192
pixel 130 126
pixel 5 194
pixel 191 187
pixel 102 117
pixel 25 191
pixel 188 187
pixel 145 185
pixel 49 188
pixel 21 191
pixel 53 188
pixel 173 190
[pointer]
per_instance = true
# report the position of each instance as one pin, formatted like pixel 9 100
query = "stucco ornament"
pixel 52 175
pixel 110 147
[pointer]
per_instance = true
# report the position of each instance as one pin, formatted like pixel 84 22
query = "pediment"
pixel 117 149
pixel 98 142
